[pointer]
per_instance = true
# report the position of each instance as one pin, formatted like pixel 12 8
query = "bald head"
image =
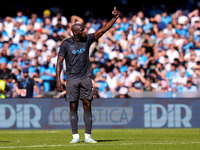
pixel 76 28
pixel 78 32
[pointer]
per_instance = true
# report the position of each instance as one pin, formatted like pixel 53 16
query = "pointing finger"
pixel 114 8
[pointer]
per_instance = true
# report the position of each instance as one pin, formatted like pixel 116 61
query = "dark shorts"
pixel 79 89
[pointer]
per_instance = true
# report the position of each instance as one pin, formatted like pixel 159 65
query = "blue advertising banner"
pixel 107 113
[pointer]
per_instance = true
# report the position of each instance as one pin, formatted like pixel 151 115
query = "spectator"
pixel 160 24
pixel 165 18
pixel 106 93
pixel 190 88
pixel 21 16
pixel 26 87
pixel 9 25
pixel 172 74
pixel 182 19
pixel 181 78
pixel 139 18
pixel 58 17
pixel 172 53
pixel 140 46
pixel 148 87
pixel 112 82
pixel 101 84
pixel 123 93
pixel 137 86
pixel 48 74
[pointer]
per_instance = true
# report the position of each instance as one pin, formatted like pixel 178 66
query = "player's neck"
pixel 75 38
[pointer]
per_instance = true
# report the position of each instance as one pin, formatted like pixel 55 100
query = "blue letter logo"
pixel 74 52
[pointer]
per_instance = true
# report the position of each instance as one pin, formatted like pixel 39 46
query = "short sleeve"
pixel 90 38
pixel 33 82
pixel 62 50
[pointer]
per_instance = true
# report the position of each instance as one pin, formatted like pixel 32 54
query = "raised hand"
pixel 115 13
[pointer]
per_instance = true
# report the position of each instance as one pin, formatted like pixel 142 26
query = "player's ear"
pixel 75 33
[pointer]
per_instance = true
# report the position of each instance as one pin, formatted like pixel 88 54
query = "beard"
pixel 83 38
pixel 25 76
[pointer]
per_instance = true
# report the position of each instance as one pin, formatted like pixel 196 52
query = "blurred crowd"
pixel 158 53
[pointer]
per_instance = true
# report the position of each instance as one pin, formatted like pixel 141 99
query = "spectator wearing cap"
pixel 31 69
pixel 117 53
pixel 123 93
pixel 26 87
pixel 46 14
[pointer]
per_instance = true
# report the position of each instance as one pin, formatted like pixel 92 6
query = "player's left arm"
pixel 105 28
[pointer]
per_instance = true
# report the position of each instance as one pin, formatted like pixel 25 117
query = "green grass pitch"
pixel 113 139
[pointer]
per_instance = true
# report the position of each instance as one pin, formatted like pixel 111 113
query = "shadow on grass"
pixel 107 140
pixel 5 141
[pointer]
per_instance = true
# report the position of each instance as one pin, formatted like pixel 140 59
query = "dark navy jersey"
pixel 77 57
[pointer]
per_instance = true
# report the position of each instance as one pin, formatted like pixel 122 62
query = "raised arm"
pixel 58 70
pixel 105 28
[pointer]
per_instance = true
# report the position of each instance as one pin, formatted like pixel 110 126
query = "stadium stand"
pixel 156 49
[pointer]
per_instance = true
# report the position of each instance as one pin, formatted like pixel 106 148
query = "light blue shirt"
pixel 171 75
pixel 166 20
pixel 50 70
pixel 192 89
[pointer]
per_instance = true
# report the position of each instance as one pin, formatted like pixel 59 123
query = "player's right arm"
pixel 61 56
pixel 58 70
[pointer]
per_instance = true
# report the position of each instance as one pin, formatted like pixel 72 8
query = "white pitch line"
pixel 29 132
pixel 100 144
